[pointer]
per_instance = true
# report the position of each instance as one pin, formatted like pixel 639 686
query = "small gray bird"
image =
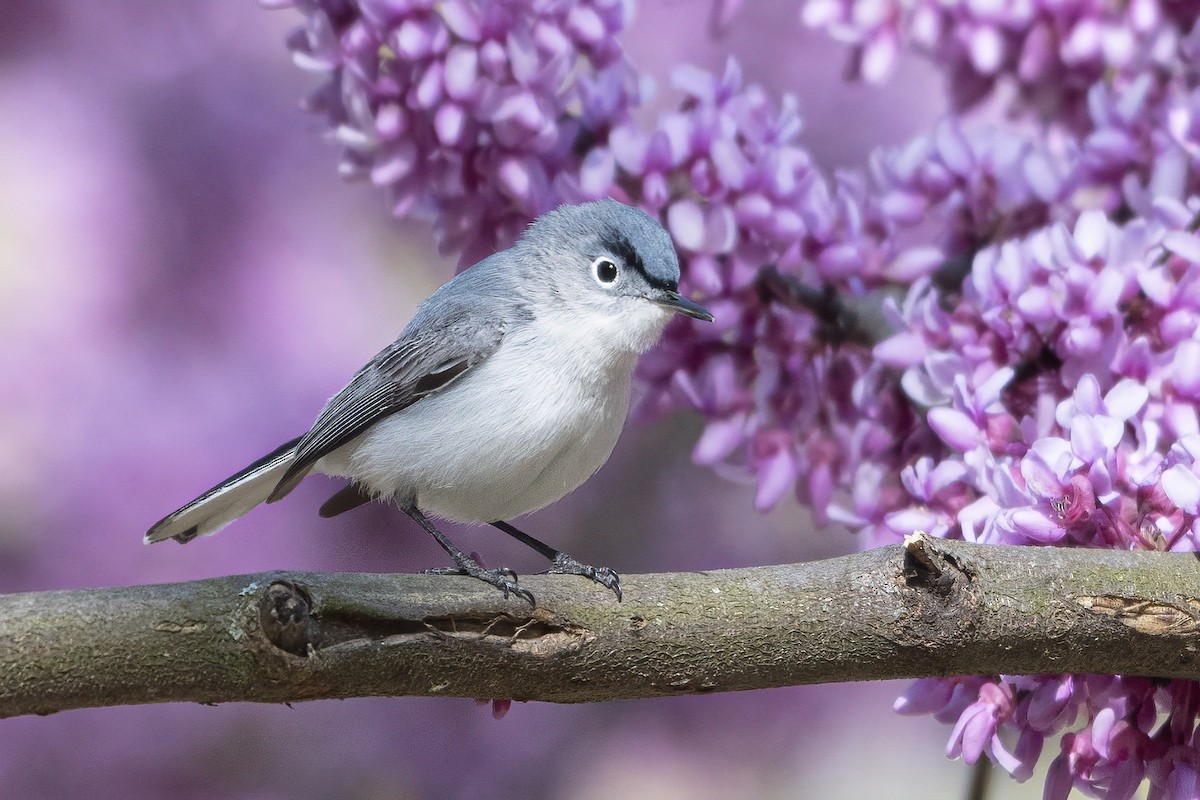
pixel 506 391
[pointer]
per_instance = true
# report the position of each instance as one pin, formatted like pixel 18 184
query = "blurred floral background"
pixel 184 279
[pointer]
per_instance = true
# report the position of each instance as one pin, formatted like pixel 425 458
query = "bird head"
pixel 608 262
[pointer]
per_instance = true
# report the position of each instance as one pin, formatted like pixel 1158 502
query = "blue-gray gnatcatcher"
pixel 506 391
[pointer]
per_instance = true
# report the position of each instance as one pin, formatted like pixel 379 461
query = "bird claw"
pixel 606 577
pixel 502 578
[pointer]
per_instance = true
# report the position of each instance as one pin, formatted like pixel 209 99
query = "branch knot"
pixel 285 613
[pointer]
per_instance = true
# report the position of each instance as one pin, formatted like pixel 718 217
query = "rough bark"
pixel 926 608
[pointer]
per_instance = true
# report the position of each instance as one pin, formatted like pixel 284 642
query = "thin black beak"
pixel 677 302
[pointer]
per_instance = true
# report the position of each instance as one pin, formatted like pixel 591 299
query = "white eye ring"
pixel 604 269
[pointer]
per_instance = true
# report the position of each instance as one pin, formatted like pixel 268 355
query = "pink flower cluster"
pixel 1062 386
pixel 465 112
pixel 1051 53
pixel 1123 745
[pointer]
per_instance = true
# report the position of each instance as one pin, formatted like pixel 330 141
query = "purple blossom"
pixel 1176 775
pixel 977 724
pixel 462 111
pixel 1052 52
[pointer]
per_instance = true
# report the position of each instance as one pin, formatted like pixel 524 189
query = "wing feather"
pixel 442 344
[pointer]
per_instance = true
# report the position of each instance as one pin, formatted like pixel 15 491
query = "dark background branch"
pixel 928 608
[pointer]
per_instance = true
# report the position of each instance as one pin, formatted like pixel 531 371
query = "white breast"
pixel 525 427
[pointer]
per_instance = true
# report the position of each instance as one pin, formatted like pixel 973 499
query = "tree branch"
pixel 927 608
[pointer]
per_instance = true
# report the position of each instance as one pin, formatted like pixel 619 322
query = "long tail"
pixel 225 502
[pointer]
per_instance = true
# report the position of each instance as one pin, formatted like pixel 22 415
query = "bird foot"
pixel 566 565
pixel 502 578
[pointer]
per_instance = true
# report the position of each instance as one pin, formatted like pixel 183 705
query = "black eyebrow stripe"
pixel 619 246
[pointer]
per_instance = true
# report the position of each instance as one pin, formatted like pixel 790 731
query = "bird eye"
pixel 604 269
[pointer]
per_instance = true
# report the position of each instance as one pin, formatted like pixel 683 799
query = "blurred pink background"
pixel 184 280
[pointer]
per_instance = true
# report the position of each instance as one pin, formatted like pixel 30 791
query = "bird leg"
pixel 503 579
pixel 563 563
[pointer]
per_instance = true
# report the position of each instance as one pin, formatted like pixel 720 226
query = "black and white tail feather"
pixel 231 498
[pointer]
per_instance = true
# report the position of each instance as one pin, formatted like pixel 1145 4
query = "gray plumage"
pixel 507 389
